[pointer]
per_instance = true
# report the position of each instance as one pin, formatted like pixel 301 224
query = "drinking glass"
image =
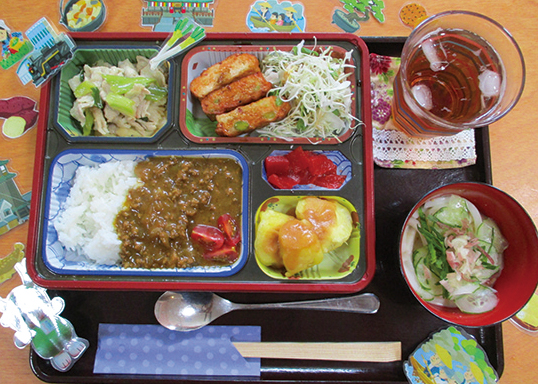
pixel 459 70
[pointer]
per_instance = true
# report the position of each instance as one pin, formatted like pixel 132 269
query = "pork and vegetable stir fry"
pixel 129 99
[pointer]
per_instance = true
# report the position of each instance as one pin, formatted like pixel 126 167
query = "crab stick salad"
pixel 453 254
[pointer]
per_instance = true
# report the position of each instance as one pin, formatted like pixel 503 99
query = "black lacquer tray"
pixel 400 317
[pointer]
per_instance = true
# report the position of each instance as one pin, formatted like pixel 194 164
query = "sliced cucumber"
pixel 482 300
pixel 430 284
pixel 490 237
pixel 454 212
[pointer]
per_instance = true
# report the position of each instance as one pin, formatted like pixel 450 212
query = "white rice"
pixel 86 225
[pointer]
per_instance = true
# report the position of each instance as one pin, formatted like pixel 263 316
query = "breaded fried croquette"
pixel 249 117
pixel 218 75
pixel 240 92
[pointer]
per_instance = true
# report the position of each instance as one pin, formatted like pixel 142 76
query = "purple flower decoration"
pixel 381 111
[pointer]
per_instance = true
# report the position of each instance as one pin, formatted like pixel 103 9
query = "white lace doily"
pixel 390 146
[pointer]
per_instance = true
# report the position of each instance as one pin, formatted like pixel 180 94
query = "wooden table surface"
pixel 513 141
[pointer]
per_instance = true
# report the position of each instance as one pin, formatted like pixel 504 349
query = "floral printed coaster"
pixel 394 149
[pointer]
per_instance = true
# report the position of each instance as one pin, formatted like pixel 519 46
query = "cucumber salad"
pixel 453 254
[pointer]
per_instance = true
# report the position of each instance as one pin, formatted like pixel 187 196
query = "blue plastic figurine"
pixel 30 312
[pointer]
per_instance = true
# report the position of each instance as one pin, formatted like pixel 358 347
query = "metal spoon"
pixel 187 311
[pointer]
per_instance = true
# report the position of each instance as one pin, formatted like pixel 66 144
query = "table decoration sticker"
pixel 14 46
pixel 14 206
pixel 394 149
pixel 82 15
pixel 34 317
pixel 358 11
pixel 412 14
pixel 163 16
pixel 527 318
pixel 148 349
pixel 51 52
pixel 276 16
pixel 7 264
pixel 450 356
pixel 19 114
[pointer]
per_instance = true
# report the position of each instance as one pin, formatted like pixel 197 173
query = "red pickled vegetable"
pixel 302 167
pixel 298 160
pixel 277 164
pixel 330 181
pixel 281 182
pixel 320 165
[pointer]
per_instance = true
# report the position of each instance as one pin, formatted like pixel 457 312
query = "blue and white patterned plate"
pixel 63 261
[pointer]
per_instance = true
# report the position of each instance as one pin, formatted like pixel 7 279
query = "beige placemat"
pixel 394 149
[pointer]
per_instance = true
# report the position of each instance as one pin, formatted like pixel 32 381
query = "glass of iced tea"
pixel 459 70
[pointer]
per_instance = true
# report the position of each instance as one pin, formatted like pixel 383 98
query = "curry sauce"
pixel 175 194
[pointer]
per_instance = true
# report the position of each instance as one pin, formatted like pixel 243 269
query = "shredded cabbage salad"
pixel 456 254
pixel 316 85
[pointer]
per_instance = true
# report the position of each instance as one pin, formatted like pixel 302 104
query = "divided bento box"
pixel 184 136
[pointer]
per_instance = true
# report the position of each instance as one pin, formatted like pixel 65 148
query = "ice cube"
pixel 489 83
pixel 423 95
pixel 437 63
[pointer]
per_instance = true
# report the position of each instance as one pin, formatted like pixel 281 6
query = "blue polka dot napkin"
pixel 154 350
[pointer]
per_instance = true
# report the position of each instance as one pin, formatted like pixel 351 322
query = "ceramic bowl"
pixel 519 276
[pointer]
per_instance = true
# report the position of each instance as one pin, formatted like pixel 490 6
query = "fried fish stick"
pixel 249 117
pixel 218 75
pixel 240 92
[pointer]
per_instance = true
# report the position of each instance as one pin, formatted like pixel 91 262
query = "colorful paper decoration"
pixel 450 356
pixel 14 206
pixel 20 115
pixel 163 16
pixel 51 52
pixel 7 264
pixel 14 46
pixel 82 15
pixel 413 14
pixel 358 11
pixel 275 16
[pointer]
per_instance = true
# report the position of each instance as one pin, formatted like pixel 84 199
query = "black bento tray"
pixel 400 317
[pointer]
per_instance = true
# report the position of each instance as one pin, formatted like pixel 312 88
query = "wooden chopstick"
pixel 351 351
